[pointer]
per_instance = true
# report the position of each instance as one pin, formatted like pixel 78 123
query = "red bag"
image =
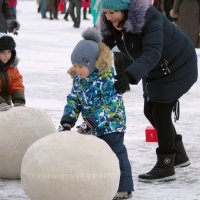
pixel 61 6
pixel 85 3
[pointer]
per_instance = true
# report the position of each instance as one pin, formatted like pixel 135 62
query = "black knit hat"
pixel 7 43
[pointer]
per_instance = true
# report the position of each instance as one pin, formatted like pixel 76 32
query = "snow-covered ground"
pixel 44 48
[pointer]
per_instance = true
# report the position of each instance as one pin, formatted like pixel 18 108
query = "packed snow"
pixel 44 48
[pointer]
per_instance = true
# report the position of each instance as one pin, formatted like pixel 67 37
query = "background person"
pixel 187 15
pixel 11 83
pixel 13 7
pixel 75 12
pixel 7 21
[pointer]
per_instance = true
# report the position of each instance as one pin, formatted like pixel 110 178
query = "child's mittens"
pixel 66 123
pixel 64 127
pixel 4 106
pixel 85 128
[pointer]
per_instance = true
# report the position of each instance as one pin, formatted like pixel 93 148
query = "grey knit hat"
pixel 86 51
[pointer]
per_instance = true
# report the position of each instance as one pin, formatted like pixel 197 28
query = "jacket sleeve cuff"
pixel 68 119
pixel 92 121
pixel 18 97
pixel 131 79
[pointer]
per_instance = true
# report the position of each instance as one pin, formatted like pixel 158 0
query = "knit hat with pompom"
pixel 91 52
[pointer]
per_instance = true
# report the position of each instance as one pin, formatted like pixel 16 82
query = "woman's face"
pixel 116 17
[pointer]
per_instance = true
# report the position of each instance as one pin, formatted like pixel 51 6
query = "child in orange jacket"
pixel 11 83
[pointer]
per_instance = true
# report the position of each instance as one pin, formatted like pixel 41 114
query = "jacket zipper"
pixel 147 93
pixel 125 47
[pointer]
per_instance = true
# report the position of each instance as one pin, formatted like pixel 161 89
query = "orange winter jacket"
pixel 11 86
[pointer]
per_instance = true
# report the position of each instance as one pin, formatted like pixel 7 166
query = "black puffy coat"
pixel 164 57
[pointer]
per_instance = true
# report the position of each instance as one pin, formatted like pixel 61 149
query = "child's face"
pixel 82 71
pixel 5 56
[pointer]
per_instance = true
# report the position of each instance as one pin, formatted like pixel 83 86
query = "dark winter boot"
pixel 181 158
pixel 162 171
pixel 39 9
pixel 50 16
pixel 66 16
pixel 85 14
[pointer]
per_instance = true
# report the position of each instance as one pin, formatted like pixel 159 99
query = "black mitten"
pixel 64 127
pixel 67 123
pixel 18 104
pixel 122 82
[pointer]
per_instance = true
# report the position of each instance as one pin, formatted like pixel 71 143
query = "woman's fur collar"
pixel 136 17
pixel 15 62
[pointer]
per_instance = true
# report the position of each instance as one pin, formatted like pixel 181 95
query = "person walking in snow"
pixel 7 20
pixel 53 9
pixel 166 62
pixel 13 7
pixel 86 6
pixel 75 12
pixel 187 15
pixel 93 95
pixel 11 83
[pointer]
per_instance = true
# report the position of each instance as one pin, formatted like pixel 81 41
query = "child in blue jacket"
pixel 93 95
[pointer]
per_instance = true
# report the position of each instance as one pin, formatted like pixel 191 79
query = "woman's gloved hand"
pixel 122 82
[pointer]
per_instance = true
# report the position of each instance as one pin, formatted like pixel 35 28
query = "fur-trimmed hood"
pixel 104 60
pixel 135 20
pixel 15 62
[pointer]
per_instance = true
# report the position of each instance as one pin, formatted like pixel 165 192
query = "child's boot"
pixel 162 171
pixel 181 158
pixel 122 195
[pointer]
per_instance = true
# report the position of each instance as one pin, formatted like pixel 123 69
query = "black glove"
pixel 85 128
pixel 64 127
pixel 122 82
pixel 13 26
pixel 18 104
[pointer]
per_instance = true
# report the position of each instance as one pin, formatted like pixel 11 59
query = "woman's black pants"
pixel 159 115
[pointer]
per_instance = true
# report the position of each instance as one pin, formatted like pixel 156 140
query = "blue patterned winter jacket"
pixel 98 102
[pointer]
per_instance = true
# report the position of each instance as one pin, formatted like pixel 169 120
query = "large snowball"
pixel 70 166
pixel 19 128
